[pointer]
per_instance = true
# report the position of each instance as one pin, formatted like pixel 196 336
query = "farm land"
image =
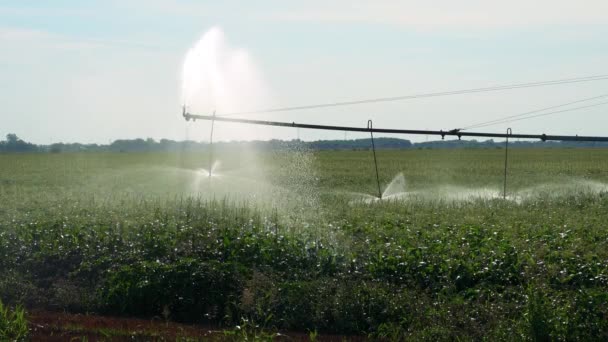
pixel 295 241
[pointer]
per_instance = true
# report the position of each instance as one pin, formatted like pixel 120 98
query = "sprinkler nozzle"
pixel 184 114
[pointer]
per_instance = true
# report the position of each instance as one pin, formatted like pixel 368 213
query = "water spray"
pixel 188 116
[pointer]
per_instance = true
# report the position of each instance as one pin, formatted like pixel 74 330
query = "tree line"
pixel 15 144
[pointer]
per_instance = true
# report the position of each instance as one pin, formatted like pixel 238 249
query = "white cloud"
pixel 165 7
pixel 19 34
pixel 44 39
pixel 471 14
pixel 43 11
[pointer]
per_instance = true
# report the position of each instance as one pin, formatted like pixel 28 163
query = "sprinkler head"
pixel 184 114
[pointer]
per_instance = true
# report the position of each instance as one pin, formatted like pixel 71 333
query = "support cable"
pixel 545 114
pixel 507 118
pixel 424 95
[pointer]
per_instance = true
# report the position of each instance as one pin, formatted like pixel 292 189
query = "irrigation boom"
pixel 455 132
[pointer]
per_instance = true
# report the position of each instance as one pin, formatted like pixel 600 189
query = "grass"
pixel 13 324
pixel 140 235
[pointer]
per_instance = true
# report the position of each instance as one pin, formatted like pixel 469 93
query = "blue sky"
pixel 94 71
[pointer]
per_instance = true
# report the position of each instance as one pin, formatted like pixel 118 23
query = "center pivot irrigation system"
pixel 371 130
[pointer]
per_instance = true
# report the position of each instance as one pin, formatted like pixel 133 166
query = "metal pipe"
pixel 369 126
pixel 509 132
pixel 453 132
pixel 211 146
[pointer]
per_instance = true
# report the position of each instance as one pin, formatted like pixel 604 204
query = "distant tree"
pixel 55 148
pixel 14 144
pixel 12 138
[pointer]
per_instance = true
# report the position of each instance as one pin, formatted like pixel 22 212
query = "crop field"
pixel 294 240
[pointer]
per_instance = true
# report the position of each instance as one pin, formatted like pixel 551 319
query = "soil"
pixel 51 326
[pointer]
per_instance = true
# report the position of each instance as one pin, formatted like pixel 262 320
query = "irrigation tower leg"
pixel 509 132
pixel 211 147
pixel 369 126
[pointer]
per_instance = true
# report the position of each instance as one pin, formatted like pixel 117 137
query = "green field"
pixel 293 241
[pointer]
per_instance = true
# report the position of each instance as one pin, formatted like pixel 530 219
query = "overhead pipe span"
pixel 454 132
